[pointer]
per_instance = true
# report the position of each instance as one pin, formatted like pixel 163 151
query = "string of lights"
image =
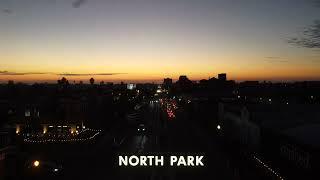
pixel 268 168
pixel 52 140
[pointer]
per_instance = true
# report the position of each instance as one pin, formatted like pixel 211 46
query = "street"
pixel 163 136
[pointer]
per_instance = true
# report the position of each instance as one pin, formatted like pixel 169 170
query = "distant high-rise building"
pixel 167 83
pixel 183 78
pixel 222 76
pixel 184 82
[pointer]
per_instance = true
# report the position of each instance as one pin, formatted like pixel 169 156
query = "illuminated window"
pixel 27 113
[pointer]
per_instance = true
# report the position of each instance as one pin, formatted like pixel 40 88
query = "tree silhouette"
pixel 63 81
pixel 91 81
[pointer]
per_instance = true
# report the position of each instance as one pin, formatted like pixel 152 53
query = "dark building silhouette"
pixel 72 113
pixel 250 83
pixel 183 80
pixel 167 83
pixel 184 83
pixel 222 77
pixel 275 131
pixel 7 153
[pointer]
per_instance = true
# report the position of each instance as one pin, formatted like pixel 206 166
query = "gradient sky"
pixel 148 40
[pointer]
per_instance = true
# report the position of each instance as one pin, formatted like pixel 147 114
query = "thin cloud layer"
pixel 95 74
pixel 19 73
pixel 275 59
pixel 7 11
pixel 78 3
pixel 59 74
pixel 310 36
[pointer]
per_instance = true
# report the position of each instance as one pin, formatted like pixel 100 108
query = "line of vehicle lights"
pixel 97 132
pixel 170 113
pixel 170 107
pixel 268 168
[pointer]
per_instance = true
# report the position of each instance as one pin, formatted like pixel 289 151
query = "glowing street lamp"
pixel 36 163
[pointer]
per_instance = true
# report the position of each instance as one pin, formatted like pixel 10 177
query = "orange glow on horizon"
pixel 142 70
pixel 289 74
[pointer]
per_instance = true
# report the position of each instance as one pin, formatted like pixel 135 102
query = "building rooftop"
pixel 306 134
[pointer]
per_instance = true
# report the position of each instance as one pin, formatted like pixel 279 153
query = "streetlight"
pixel 36 163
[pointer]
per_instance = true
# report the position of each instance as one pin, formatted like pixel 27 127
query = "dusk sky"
pixel 147 40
